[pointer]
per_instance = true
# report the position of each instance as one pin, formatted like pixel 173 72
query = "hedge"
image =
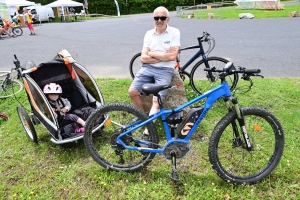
pixel 108 7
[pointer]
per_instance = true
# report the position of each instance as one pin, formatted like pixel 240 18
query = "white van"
pixel 44 13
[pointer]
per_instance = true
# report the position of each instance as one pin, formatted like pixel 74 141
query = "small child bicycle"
pixel 246 145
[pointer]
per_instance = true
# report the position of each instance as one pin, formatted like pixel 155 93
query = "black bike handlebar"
pixel 252 71
pixel 229 72
pixel 17 62
pixel 203 38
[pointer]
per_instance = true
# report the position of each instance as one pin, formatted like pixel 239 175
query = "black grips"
pixel 252 71
pixel 241 70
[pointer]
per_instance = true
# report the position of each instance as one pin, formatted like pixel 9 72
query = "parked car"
pixel 41 13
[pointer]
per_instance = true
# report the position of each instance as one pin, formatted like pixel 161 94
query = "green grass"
pixel 47 171
pixel 232 13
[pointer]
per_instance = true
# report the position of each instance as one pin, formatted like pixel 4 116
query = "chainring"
pixel 179 148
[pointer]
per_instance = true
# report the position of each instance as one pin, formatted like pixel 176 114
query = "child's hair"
pixel 52 88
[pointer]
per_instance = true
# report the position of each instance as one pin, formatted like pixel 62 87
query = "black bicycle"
pixel 197 77
pixel 9 84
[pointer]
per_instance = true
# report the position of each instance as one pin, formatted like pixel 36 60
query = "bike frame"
pixel 3 74
pixel 193 58
pixel 212 96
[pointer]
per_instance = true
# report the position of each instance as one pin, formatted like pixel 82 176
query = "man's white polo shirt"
pixel 162 43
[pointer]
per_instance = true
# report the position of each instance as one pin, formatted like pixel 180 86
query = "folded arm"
pixel 155 57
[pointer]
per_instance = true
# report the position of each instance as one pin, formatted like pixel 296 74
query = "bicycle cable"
pixel 211 45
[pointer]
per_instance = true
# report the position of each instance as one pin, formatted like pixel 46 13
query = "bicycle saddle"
pixel 152 88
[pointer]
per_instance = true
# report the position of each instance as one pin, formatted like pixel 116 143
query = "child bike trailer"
pixel 78 86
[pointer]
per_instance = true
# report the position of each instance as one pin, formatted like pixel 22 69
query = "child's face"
pixel 53 97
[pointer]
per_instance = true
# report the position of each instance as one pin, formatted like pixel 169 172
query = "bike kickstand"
pixel 174 175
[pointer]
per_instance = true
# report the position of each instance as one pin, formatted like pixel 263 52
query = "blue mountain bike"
pixel 246 145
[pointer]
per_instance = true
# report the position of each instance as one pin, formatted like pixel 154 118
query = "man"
pixel 159 53
pixel 61 12
pixel 72 10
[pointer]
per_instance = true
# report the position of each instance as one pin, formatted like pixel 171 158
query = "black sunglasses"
pixel 162 18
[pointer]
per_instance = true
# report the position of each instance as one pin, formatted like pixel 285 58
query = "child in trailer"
pixel 61 106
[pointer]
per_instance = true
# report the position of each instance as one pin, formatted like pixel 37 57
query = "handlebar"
pixel 19 69
pixel 229 69
pixel 203 38
pixel 16 62
pixel 206 37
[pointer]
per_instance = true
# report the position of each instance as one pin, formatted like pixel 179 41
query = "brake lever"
pixel 260 76
pixel 246 77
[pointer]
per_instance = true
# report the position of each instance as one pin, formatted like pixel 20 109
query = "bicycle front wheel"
pixel 17 31
pixel 27 124
pixel 103 146
pixel 10 87
pixel 201 81
pixel 229 156
pixel 135 65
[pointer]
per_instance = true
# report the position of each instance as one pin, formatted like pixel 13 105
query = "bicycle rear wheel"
pixel 10 87
pixel 103 147
pixel 229 156
pixel 135 65
pixel 17 31
pixel 200 80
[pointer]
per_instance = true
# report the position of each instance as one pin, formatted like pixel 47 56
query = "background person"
pixel 16 14
pixel 5 27
pixel 61 12
pixel 28 21
pixel 72 11
pixel 159 53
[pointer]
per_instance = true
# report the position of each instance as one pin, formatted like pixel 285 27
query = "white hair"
pixel 159 8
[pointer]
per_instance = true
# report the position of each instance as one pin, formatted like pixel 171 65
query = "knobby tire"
pixel 236 164
pixel 102 145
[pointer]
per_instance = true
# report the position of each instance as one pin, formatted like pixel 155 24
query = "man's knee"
pixel 133 92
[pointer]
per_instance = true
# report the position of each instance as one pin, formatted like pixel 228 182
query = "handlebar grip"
pixel 252 71
pixel 15 57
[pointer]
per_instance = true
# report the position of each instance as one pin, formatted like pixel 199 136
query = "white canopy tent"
pixel 65 3
pixel 17 2
pixel 8 7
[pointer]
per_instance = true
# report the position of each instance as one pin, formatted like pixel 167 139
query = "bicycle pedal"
pixel 174 176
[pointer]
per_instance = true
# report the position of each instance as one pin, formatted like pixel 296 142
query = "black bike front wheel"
pixel 201 81
pixel 135 65
pixel 27 124
pixel 17 31
pixel 228 154
pixel 102 145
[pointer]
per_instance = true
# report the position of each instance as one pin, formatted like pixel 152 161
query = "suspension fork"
pixel 241 120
